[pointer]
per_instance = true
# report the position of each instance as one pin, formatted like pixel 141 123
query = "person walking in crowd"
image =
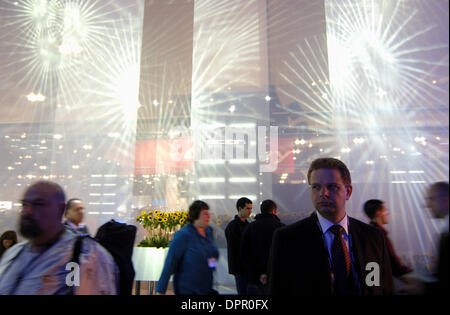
pixel 255 246
pixel 329 253
pixel 378 214
pixel 192 256
pixel 74 216
pixel 7 240
pixel 437 200
pixel 40 265
pixel 233 235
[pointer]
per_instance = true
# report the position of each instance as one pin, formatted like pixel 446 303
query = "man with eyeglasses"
pixel 44 263
pixel 329 253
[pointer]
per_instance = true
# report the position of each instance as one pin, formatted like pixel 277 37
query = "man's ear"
pixel 62 209
pixel 349 190
pixel 377 214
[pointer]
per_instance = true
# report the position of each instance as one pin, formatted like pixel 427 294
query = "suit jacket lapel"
pixel 358 252
pixel 322 251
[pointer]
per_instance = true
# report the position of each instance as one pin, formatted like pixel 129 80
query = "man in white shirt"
pixel 329 253
pixel 74 216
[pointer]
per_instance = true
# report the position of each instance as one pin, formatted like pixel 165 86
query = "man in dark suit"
pixel 74 216
pixel 378 214
pixel 329 253
pixel 255 246
pixel 233 234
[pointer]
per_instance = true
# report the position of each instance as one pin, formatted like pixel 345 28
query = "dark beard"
pixel 29 228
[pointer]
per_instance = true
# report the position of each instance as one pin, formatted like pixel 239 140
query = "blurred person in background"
pixel 379 215
pixel 192 256
pixel 233 234
pixel 74 216
pixel 43 263
pixel 255 246
pixel 7 240
pixel 437 201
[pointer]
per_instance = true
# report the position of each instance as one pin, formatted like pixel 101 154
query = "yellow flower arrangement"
pixel 160 226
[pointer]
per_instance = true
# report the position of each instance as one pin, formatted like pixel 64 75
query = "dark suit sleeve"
pixel 387 283
pixel 276 270
pixel 233 236
pixel 246 248
pixel 398 269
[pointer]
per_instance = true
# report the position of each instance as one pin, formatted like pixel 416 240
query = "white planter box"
pixel 148 262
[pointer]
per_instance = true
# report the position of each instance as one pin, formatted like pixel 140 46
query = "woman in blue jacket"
pixel 192 256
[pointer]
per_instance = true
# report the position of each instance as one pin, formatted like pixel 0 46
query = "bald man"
pixel 43 263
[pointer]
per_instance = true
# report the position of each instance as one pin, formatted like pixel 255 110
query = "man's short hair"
pixel 194 210
pixel 69 204
pixel 267 206
pixel 371 207
pixel 330 163
pixel 440 187
pixel 242 202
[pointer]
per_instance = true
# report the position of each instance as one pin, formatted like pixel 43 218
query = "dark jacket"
pixel 398 268
pixel 118 238
pixel 255 245
pixel 440 287
pixel 299 265
pixel 233 234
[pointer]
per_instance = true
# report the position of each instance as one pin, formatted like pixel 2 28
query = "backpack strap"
pixel 77 252
pixel 77 249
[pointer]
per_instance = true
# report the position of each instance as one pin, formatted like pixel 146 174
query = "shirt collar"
pixel 237 218
pixel 73 226
pixel 325 224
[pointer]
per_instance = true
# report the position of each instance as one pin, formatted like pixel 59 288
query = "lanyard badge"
pixel 212 263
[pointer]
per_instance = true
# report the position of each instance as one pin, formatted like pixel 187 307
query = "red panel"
pixel 163 156
pixel 285 156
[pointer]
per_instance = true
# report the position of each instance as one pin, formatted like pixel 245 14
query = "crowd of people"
pixel 327 253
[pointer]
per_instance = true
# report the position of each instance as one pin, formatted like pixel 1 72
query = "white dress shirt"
pixel 328 235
